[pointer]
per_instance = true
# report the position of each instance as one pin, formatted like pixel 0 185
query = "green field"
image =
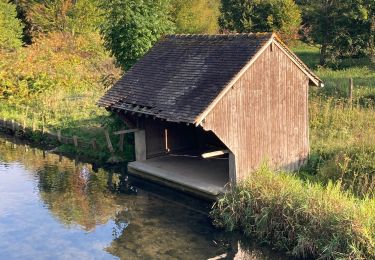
pixel 342 136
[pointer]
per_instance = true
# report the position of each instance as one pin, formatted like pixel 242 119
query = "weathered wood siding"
pixel 264 116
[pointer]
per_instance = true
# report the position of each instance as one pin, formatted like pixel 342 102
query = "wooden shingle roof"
pixel 182 75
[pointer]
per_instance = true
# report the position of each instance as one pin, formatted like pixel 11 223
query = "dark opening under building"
pixel 208 110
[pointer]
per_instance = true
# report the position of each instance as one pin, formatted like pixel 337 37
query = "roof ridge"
pixel 216 36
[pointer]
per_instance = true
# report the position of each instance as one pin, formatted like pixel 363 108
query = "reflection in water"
pixel 54 207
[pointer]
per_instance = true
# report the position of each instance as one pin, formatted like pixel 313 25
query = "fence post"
pixel 33 124
pixel 59 135
pixel 75 141
pixel 42 123
pixel 108 139
pixel 25 119
pixel 351 87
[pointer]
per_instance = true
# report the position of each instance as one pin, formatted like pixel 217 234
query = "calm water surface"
pixel 52 207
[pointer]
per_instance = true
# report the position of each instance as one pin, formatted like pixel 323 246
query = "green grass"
pixel 342 137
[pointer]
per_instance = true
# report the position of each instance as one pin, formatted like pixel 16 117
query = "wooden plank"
pixel 126 131
pixel 215 154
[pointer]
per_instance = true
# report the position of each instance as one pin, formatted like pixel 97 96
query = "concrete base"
pixel 202 177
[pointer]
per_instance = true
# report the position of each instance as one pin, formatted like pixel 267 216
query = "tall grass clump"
pixel 304 219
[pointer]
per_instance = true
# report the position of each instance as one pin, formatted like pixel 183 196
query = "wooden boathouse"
pixel 209 109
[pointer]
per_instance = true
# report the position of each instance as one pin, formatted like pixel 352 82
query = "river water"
pixel 53 207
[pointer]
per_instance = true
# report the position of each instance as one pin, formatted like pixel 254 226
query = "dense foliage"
pixel 57 62
pixel 281 16
pixel 131 27
pixel 342 28
pixel 196 16
pixel 10 27
pixel 61 15
pixel 307 220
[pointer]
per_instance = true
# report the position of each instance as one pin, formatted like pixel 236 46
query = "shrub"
pixel 10 26
pixel 306 220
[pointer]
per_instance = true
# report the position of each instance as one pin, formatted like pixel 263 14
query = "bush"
pixel 306 220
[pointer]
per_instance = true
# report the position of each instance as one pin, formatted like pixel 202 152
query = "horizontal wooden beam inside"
pixel 215 153
pixel 126 131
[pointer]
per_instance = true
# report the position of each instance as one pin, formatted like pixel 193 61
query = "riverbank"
pixel 97 142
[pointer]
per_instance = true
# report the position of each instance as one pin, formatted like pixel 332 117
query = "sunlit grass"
pixel 304 219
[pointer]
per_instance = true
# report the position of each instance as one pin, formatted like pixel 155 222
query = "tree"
pixel 131 27
pixel 196 16
pixel 10 27
pixel 341 27
pixel 73 16
pixel 280 16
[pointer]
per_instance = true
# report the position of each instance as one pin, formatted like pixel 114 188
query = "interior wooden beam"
pixel 126 131
pixel 215 153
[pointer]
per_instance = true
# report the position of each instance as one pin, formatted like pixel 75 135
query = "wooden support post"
pixel 94 145
pixel 232 169
pixel 351 88
pixel 13 125
pixel 59 135
pixel 140 145
pixel 121 142
pixel 108 139
pixel 75 141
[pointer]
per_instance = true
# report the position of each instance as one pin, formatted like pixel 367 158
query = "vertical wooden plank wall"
pixel 264 117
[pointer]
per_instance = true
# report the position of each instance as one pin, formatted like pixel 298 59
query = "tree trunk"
pixel 323 54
